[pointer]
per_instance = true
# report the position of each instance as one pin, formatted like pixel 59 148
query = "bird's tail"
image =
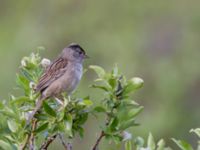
pixel 37 108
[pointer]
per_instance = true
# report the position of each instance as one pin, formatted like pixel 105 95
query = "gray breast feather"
pixel 71 78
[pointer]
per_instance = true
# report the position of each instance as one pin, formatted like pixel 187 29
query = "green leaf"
pixel 61 115
pixel 99 109
pixel 114 124
pixel 41 116
pixel 117 139
pixel 182 144
pixel 20 100
pixel 133 84
pixel 134 112
pixel 129 102
pixel 112 82
pixel 100 87
pixel 161 145
pixel 68 124
pixel 12 125
pixel 128 145
pixel 27 74
pixel 99 71
pixel 48 109
pixel 5 146
pixel 23 83
pixel 42 127
pixel 115 71
pixel 10 138
pixel 83 118
pixel 196 131
pixel 127 114
pixel 8 112
pixel 139 142
pixel 1 104
pixel 127 124
pixel 81 132
pixel 151 143
pixel 60 127
pixel 128 89
pixel 86 102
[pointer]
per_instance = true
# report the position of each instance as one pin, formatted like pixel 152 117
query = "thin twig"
pixel 32 136
pixel 67 146
pixel 46 143
pixel 102 132
pixel 30 118
pixel 36 109
pixel 98 140
pixel 25 143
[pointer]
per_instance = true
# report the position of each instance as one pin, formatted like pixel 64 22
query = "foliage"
pixel 138 143
pixel 67 116
pixel 183 145
pixel 156 40
pixel 120 110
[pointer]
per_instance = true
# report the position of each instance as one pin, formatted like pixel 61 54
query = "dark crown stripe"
pixel 74 45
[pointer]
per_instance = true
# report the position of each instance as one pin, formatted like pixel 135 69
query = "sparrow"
pixel 62 75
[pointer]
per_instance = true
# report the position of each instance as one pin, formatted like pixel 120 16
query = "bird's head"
pixel 74 52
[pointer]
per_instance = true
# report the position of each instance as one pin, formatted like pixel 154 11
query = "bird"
pixel 62 75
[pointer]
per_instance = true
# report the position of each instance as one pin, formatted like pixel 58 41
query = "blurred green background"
pixel 156 40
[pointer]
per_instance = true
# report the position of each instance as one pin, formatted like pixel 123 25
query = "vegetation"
pixel 65 119
pixel 155 40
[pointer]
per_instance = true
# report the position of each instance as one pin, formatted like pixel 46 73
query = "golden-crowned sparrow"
pixel 62 75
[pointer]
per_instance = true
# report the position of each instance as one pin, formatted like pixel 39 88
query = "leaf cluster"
pixel 66 116
pixel 117 105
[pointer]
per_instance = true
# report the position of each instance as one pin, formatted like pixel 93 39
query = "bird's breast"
pixel 71 78
pixel 78 71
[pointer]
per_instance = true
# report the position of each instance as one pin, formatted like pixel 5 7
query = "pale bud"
pixel 23 63
pixel 27 115
pixel 137 82
pixel 45 62
pixel 126 136
pixel 32 85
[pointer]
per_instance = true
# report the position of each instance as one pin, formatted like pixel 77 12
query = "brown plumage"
pixel 53 72
pixel 62 75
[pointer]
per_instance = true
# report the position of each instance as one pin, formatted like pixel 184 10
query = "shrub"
pixel 59 119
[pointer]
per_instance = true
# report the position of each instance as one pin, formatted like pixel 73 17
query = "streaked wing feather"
pixel 53 72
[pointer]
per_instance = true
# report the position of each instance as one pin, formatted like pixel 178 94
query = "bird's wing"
pixel 53 72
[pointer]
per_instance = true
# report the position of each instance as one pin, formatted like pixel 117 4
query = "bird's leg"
pixel 62 100
pixel 59 100
pixel 36 109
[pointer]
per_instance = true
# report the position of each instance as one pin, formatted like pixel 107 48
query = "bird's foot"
pixel 59 101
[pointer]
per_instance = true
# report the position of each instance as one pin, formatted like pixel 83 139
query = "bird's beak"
pixel 86 56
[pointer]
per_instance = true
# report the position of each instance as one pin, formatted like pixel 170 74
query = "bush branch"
pixel 23 147
pixel 46 143
pixel 98 140
pixel 67 146
pixel 32 136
